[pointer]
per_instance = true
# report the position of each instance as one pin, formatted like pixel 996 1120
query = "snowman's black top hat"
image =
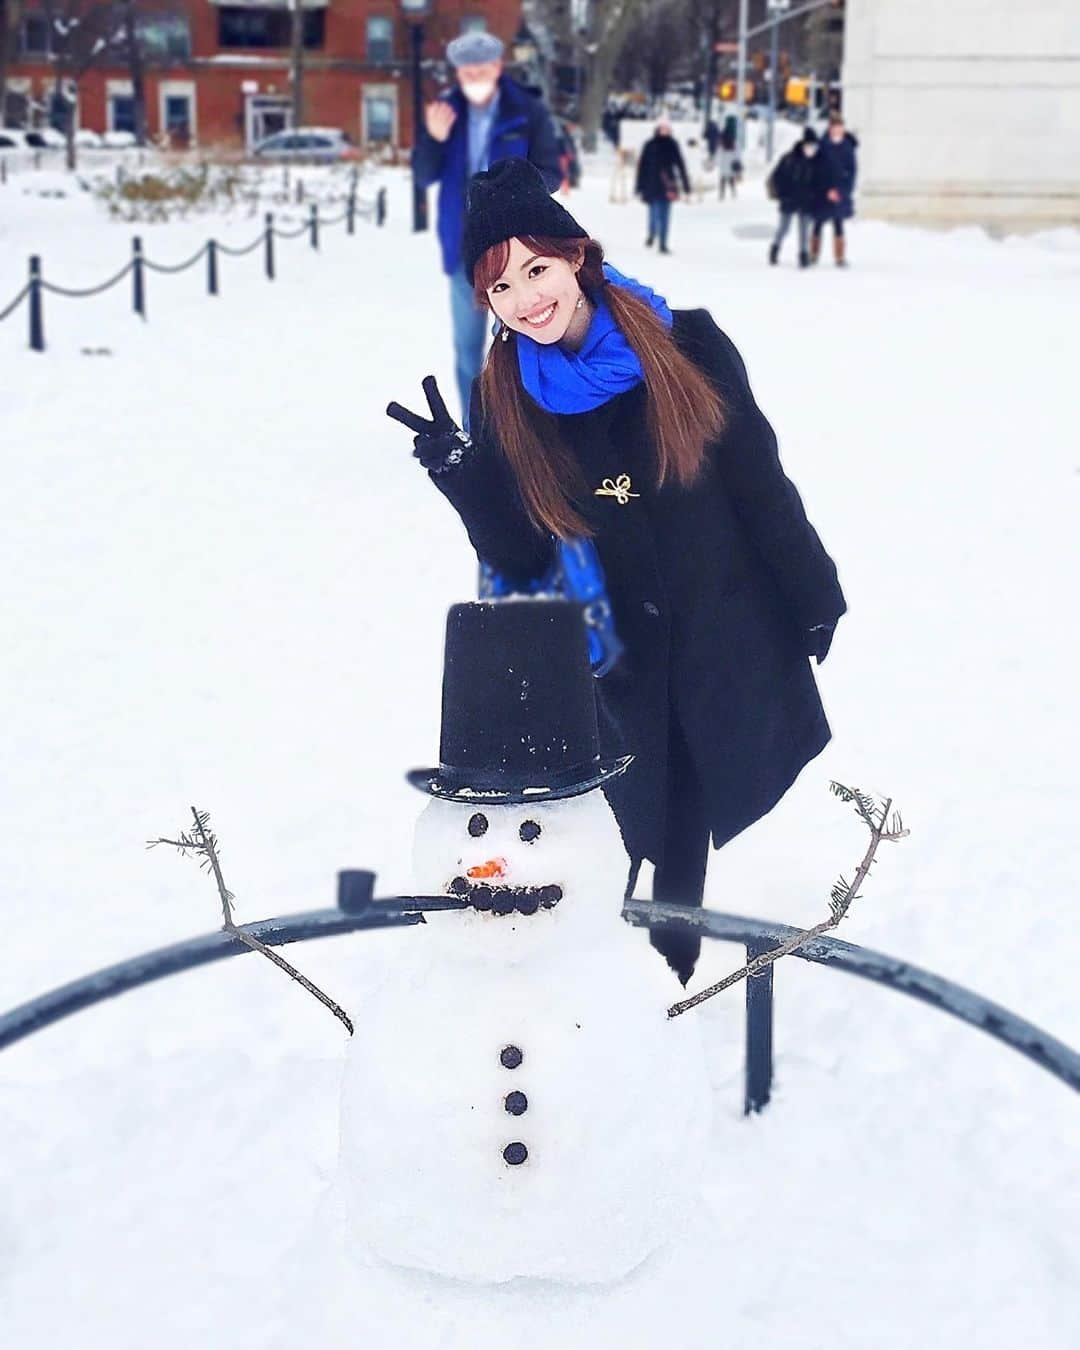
pixel 519 708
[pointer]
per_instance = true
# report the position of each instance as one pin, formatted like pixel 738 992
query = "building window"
pixel 164 37
pixel 380 116
pixel 177 119
pixel 122 113
pixel 34 38
pixel 473 23
pixel 268 27
pixel 380 40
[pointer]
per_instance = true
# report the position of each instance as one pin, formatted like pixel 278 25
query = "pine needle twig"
pixel 202 844
pixel 840 898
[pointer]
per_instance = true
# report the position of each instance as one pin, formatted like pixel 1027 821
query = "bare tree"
pixel 296 68
pixel 82 33
pixel 607 28
pixel 136 62
pixel 11 15
pixel 656 47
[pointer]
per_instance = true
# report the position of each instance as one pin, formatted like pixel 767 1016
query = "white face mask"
pixel 478 91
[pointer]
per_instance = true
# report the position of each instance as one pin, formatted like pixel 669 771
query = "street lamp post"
pixel 776 9
pixel 740 78
pixel 415 12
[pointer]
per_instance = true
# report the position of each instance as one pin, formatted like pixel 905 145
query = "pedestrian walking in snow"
pixel 602 416
pixel 794 184
pixel 660 173
pixel 712 141
pixel 837 187
pixel 727 161
pixel 485 118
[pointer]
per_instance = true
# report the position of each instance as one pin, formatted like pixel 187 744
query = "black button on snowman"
pixel 536 1004
pixel 516 1103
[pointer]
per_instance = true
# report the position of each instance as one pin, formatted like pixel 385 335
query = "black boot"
pixel 804 259
pixel 774 253
pixel 648 242
pixel 679 949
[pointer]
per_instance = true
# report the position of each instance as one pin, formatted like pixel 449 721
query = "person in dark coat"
pixel 486 118
pixel 795 184
pixel 611 125
pixel 602 414
pixel 727 159
pixel 660 172
pixel 836 201
pixel 712 137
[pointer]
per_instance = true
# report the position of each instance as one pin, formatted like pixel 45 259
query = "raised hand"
pixel 439 443
pixel 439 119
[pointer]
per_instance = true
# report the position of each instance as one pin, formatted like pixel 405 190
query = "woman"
pixel 795 186
pixel 728 162
pixel 599 414
pixel 836 201
pixel 660 170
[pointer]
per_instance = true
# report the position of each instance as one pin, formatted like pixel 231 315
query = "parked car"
pixel 87 139
pixel 118 140
pixel 45 138
pixel 323 145
pixel 13 139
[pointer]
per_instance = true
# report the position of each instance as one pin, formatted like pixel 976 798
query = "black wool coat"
pixel 660 167
pixel 720 593
pixel 798 181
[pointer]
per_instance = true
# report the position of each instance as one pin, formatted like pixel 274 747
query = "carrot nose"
pixel 494 867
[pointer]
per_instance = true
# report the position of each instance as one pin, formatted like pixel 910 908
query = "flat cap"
pixel 474 49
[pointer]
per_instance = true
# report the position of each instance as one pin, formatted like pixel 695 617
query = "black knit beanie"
pixel 507 202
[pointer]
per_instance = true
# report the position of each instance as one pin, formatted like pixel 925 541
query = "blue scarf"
pixel 606 364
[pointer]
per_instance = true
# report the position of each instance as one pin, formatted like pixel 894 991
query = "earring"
pixel 505 334
pixel 580 302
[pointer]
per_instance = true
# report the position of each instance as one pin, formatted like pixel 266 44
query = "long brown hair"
pixel 684 411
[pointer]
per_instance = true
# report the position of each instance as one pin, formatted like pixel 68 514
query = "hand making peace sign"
pixel 439 443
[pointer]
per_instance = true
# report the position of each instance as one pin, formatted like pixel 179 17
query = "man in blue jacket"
pixel 487 118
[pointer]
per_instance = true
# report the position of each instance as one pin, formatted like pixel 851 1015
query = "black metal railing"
pixel 357 910
pixel 138 265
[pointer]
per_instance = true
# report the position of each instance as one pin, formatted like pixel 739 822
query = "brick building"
pixel 219 73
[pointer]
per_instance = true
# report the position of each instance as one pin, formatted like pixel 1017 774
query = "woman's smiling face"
pixel 535 295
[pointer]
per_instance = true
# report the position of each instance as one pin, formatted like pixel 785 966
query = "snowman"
pixel 516 1102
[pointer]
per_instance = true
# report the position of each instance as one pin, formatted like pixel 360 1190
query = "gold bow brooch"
pixel 619 489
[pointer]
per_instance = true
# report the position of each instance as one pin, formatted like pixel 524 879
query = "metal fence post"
pixel 37 321
pixel 355 890
pixel 380 207
pixel 299 191
pixel 270 245
pixel 314 209
pixel 138 290
pixel 350 211
pixel 759 1031
pixel 3 170
pixel 211 267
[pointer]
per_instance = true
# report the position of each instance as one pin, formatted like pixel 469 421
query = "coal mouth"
pixel 503 900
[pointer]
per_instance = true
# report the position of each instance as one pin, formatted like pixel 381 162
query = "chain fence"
pixel 373 210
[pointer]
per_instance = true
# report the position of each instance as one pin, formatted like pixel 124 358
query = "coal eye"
pixel 478 825
pixel 529 832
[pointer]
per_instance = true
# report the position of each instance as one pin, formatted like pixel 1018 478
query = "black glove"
pixel 440 444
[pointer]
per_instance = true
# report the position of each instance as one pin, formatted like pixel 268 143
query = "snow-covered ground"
pixel 224 584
